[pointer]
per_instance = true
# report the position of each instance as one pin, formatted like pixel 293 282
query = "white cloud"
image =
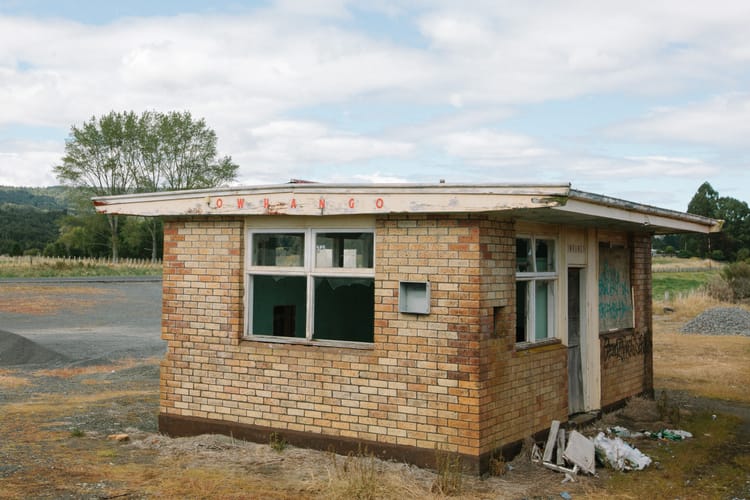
pixel 286 146
pixel 723 120
pixel 29 163
pixel 491 148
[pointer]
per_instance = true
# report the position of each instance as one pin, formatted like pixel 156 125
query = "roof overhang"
pixel 551 203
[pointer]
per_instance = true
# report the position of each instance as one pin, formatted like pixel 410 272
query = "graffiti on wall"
pixel 624 347
pixel 615 297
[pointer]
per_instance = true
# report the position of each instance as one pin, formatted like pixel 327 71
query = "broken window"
pixel 311 285
pixel 536 280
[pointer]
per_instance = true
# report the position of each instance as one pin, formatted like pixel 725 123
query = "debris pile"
pixel 580 454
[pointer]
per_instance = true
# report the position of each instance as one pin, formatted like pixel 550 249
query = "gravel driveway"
pixel 85 321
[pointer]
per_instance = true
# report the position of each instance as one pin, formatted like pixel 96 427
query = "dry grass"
pixel 687 307
pixel 707 365
pixel 76 371
pixel 714 366
pixel 9 380
pixel 675 264
pixel 38 299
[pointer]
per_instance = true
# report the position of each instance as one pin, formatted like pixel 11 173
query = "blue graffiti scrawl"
pixel 615 298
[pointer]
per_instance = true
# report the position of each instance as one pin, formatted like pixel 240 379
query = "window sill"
pixel 527 346
pixel 316 343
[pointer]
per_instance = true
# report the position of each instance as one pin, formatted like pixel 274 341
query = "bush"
pixel 743 254
pixel 719 289
pixel 737 277
pixel 717 255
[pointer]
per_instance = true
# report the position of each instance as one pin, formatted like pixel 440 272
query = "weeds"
pixel 77 432
pixel 356 477
pixel 449 473
pixel 277 442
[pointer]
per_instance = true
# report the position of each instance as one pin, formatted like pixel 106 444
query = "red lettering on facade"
pixel 351 202
pixel 379 203
pixel 240 202
pixel 293 204
pixel 322 203
pixel 219 203
pixel 266 203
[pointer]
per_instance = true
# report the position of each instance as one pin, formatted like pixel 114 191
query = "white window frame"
pixel 310 270
pixel 533 278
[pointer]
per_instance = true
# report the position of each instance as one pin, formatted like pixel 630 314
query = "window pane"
pixel 522 307
pixel 279 305
pixel 541 307
pixel 279 249
pixel 344 309
pixel 523 255
pixel 343 250
pixel 545 255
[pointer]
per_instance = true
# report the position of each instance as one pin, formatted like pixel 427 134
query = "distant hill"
pixel 44 198
pixel 29 217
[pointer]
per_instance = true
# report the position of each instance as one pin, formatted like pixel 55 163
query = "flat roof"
pixel 551 203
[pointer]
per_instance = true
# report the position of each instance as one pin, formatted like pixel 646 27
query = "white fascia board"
pixel 642 215
pixel 336 199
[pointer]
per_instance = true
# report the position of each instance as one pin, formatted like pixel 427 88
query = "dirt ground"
pixel 79 363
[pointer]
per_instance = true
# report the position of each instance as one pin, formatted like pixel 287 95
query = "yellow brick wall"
pixel 522 390
pixel 452 379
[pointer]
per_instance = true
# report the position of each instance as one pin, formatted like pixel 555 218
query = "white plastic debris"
pixel 624 432
pixel 580 452
pixel 618 454
pixel 681 433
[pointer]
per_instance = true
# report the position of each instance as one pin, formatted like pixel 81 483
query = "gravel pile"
pixel 720 321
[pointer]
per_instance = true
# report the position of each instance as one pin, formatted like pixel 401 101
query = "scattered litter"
pixel 118 437
pixel 619 455
pixel 670 434
pixel 580 452
pixel 566 495
pixel 623 432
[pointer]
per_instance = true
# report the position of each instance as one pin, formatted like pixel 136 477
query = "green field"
pixel 680 283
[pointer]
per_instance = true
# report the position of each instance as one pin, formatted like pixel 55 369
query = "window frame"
pixel 310 270
pixel 532 279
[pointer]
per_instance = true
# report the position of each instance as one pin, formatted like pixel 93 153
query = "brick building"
pixel 406 318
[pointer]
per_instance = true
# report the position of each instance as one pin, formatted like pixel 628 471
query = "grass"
pixel 49 267
pixel 682 283
pixel 9 380
pixel 706 466
pixel 681 277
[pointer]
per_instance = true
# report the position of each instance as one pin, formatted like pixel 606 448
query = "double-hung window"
pixel 536 280
pixel 311 284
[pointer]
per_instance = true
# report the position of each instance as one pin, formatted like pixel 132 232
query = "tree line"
pixel 731 244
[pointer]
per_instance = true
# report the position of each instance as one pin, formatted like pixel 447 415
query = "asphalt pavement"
pixel 99 320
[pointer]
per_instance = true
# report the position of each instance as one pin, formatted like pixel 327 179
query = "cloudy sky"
pixel 642 100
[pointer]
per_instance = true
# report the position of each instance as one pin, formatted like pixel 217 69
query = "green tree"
pixel 99 160
pixel 123 152
pixel 178 152
pixel 705 203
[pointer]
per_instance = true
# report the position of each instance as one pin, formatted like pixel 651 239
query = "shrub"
pixel 737 276
pixel 743 254
pixel 719 289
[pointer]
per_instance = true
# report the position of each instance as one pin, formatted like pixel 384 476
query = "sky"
pixel 640 100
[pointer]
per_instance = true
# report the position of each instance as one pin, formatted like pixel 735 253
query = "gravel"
pixel 720 321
